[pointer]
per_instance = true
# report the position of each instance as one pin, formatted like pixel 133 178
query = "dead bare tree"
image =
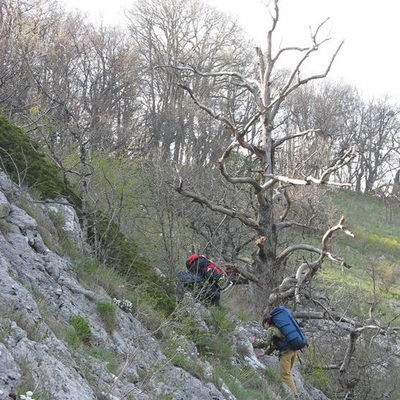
pixel 258 136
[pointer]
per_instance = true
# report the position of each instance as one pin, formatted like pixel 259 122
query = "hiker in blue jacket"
pixel 286 357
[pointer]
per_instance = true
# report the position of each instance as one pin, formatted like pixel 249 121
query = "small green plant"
pixel 243 382
pixel 88 266
pixel 108 356
pixel 385 275
pixel 184 358
pixel 314 371
pixel 220 320
pixel 91 271
pixel 218 341
pixel 58 220
pixel 145 310
pixel 82 328
pixel 107 312
pixel 272 374
pixel 72 338
pixel 5 227
pixel 34 332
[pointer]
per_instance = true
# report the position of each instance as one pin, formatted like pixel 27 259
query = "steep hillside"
pixel 64 338
pixel 55 340
pixel 72 328
pixel 374 251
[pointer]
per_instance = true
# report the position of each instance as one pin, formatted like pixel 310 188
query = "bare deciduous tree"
pixel 80 93
pixel 259 137
pixel 172 33
pixel 376 145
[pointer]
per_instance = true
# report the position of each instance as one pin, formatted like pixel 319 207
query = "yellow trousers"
pixel 286 361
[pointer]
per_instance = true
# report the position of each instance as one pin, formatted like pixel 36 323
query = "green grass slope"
pixel 373 252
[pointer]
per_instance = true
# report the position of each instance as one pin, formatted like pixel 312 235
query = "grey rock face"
pixel 4 206
pixel 39 293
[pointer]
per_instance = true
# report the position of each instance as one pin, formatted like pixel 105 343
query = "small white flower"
pixel 124 304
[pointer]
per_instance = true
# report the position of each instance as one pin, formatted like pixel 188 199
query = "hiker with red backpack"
pixel 211 279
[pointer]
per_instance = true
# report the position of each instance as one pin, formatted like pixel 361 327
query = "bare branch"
pixel 335 165
pixel 290 250
pixel 243 272
pixel 289 224
pixel 278 142
pixel 292 83
pixel 285 213
pixel 291 286
pixel 231 179
pixel 338 163
pixel 207 109
pixel 245 219
pixel 329 233
pixel 320 76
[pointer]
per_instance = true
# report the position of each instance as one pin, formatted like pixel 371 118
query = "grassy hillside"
pixel 373 252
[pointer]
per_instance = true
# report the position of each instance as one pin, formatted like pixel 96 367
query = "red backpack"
pixel 201 265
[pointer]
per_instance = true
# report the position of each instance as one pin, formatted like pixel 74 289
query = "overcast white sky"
pixel 368 60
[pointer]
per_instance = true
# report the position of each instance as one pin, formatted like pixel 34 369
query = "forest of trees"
pixel 179 92
pixel 177 129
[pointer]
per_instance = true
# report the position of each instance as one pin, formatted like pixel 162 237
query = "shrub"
pixel 82 328
pixel 107 312
pixel 242 382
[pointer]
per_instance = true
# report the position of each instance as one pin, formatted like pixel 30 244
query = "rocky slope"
pixel 40 294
